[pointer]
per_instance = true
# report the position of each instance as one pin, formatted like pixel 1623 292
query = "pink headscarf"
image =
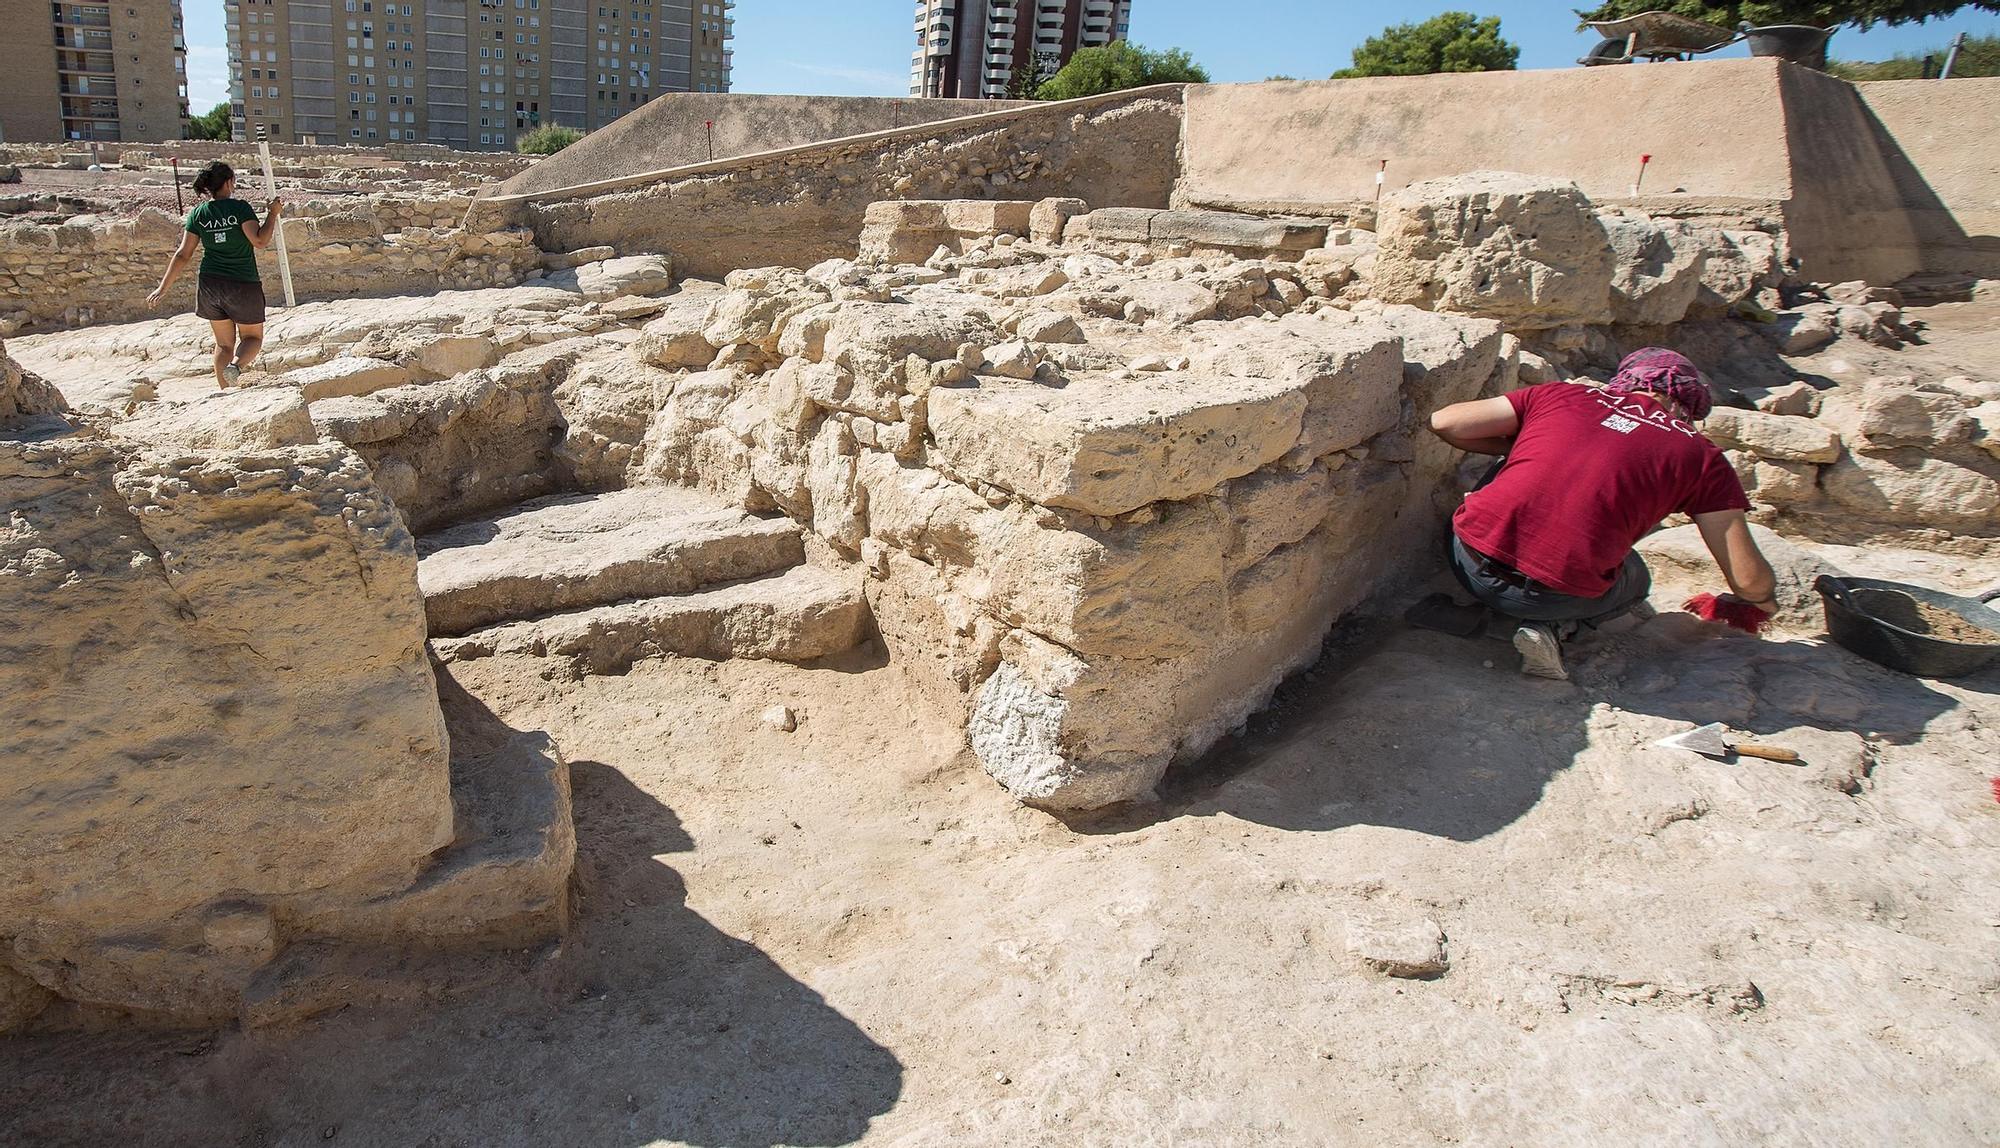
pixel 1664 373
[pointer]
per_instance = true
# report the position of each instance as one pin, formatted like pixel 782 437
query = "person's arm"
pixel 260 235
pixel 1743 566
pixel 182 257
pixel 1482 426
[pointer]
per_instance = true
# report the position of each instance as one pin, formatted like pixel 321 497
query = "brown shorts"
pixel 240 301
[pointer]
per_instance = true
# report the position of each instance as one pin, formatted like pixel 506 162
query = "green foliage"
pixel 1117 66
pixel 1981 57
pixel 1447 42
pixel 1822 13
pixel 1268 79
pixel 210 125
pixel 547 140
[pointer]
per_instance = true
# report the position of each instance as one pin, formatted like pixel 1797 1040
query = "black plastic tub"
pixel 1799 43
pixel 1852 609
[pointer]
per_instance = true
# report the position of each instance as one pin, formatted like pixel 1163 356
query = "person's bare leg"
pixel 249 341
pixel 225 347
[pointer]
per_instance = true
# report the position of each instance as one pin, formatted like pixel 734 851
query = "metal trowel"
pixel 1712 740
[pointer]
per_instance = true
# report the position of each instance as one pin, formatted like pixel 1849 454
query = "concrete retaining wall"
pixel 672 131
pixel 806 205
pixel 1755 130
pixel 1938 137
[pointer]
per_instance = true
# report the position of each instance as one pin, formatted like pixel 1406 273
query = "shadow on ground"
pixel 1440 735
pixel 648 1024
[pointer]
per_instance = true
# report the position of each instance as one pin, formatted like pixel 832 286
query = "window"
pixel 354 97
pixel 353 133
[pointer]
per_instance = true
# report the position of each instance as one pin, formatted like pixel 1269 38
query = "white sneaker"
pixel 230 374
pixel 1541 653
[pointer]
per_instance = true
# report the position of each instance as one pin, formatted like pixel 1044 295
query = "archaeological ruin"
pixel 1092 430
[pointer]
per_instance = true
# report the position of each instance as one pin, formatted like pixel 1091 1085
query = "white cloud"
pixel 208 76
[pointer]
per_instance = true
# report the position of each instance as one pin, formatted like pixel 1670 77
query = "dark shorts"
pixel 1513 594
pixel 240 301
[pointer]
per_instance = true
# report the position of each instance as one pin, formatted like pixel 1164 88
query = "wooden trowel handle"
pixel 1767 752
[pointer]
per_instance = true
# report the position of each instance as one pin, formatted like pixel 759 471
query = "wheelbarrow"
pixel 1655 36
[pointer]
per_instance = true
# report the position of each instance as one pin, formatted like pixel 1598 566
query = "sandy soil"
pixel 847 933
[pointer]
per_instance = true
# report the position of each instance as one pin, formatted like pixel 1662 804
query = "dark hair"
pixel 209 180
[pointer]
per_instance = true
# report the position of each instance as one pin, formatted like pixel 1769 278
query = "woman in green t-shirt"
pixel 229 293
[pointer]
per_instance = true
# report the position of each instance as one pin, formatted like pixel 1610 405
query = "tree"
pixel 1821 13
pixel 1980 57
pixel 547 140
pixel 1117 66
pixel 1447 42
pixel 211 125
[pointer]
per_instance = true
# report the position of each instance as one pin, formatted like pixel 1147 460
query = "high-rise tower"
pixel 991 49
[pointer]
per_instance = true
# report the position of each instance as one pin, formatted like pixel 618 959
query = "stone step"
pixel 801 614
pixel 571 552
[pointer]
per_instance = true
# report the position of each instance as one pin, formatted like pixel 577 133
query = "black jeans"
pixel 1507 591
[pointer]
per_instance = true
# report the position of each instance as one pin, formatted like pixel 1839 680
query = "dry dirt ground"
pixel 848 933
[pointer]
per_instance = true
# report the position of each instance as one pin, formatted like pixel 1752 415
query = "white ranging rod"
pixel 271 192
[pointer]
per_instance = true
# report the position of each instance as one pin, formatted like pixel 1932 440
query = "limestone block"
pixel 1122 224
pixel 1526 251
pixel 435 354
pixel 1804 332
pixel 606 405
pixel 874 339
pixel 627 275
pixel 1031 716
pixel 1175 303
pixel 1795 398
pixel 1108 446
pixel 24 394
pixel 292 716
pixel 1049 327
pixel 473 442
pixel 756 318
pixel 1898 412
pixel 1656 268
pixel 1049 217
pixel 254 418
pixel 1985 419
pixel 1350 375
pixel 988 216
pixel 1738 264
pixel 1778 483
pixel 1232 229
pixel 1784 437
pixel 565 260
pixel 346 375
pixel 675 340
pixel 1907 487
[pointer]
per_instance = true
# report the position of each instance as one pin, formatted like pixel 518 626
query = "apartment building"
pixel 472 74
pixel 92 71
pixel 992 49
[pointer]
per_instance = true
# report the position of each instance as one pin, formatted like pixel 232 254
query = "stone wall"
pixel 680 128
pixel 802 207
pixel 227 765
pixel 90 271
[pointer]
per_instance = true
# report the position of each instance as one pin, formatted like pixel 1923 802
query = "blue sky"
pixel 862 47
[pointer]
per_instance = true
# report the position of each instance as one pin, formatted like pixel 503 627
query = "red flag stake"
pixel 1643 161
pixel 710 124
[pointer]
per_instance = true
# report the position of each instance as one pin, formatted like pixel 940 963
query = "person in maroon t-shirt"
pixel 1588 471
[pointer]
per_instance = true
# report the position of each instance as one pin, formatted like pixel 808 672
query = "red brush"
pixel 1732 612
